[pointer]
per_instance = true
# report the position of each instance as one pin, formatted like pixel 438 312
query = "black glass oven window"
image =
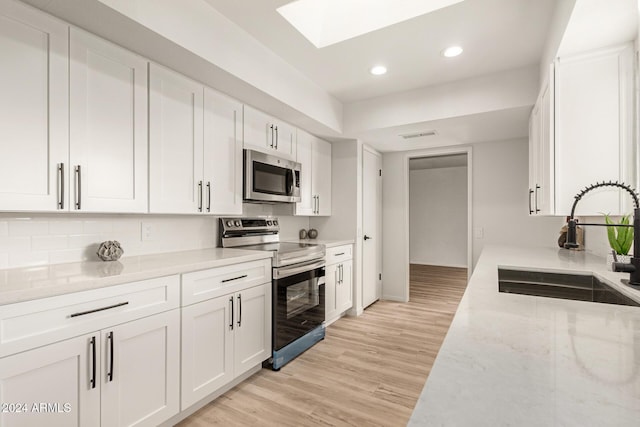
pixel 300 298
pixel 269 179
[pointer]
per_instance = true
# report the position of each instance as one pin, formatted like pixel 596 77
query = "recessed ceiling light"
pixel 452 51
pixel 326 22
pixel 378 70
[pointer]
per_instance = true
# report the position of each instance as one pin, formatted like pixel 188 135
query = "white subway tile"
pixel 81 241
pixel 4 228
pixel 4 260
pixel 65 227
pixel 10 244
pixel 25 259
pixel 127 226
pixel 68 255
pixel 97 227
pixel 28 227
pixel 48 243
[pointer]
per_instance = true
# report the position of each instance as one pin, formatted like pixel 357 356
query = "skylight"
pixel 326 22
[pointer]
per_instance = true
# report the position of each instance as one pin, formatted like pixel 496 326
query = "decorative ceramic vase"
pixel 110 250
pixel 303 234
pixel 313 233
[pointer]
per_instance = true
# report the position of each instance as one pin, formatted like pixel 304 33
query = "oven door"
pixel 298 301
pixel 270 178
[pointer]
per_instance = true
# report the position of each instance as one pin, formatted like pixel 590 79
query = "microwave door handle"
pixel 289 183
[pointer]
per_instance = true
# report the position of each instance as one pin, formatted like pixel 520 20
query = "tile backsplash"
pixel 38 239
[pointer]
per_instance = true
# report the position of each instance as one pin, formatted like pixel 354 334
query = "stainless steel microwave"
pixel 268 178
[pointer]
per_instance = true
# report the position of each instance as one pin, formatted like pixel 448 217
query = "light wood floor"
pixel 369 370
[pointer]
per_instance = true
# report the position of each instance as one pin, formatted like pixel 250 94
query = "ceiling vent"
pixel 419 134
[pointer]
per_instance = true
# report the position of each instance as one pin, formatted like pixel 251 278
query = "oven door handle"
pixel 297 260
pixel 283 272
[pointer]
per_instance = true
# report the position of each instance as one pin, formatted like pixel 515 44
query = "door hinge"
pixel 380 171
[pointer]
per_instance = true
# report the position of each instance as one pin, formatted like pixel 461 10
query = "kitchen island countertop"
pixel 520 360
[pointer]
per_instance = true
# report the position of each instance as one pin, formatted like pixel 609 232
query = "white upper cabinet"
pixel 222 154
pixel 541 153
pixel 175 143
pixel 108 126
pixel 594 129
pixel 268 135
pixel 314 155
pixel 33 110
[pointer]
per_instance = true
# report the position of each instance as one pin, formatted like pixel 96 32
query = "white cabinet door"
pixel 207 348
pixel 175 143
pixel 252 341
pixel 322 176
pixel 534 150
pixel 108 126
pixel 594 129
pixel 344 289
pixel 34 110
pixel 285 140
pixel 305 157
pixel 258 132
pixel 330 285
pixel 140 371
pixel 59 374
pixel 263 133
pixel 222 154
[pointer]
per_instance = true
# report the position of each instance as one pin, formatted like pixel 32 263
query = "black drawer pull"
pixel 234 278
pixel 82 313
pixel 341 253
pixel 92 381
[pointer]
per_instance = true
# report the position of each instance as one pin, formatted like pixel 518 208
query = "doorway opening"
pixel 439 221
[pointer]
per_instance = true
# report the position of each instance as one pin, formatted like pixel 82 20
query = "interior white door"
pixel 108 126
pixel 371 227
pixel 141 371
pixel 34 103
pixel 58 374
pixel 222 154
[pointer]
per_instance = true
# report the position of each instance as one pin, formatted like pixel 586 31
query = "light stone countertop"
pixel 23 284
pixel 520 360
pixel 326 243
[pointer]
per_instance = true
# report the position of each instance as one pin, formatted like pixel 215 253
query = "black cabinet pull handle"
pixel 199 196
pixel 61 181
pixel 208 196
pixel 341 253
pixel 110 372
pixel 530 193
pixel 239 310
pixel 231 302
pixel 276 147
pixel 82 313
pixel 92 381
pixel 271 145
pixel 537 188
pixel 78 187
pixel 233 278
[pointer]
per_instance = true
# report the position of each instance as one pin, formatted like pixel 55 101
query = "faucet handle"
pixel 615 255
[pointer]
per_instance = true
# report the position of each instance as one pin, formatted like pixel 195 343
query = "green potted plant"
pixel 620 238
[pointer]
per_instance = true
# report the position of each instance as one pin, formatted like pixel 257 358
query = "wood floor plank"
pixel 369 370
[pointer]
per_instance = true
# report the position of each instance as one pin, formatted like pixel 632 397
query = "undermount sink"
pixel 557 285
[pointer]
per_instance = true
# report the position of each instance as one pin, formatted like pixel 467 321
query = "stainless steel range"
pixel 298 278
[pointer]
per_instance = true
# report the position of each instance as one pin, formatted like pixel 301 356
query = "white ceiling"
pixel 496 35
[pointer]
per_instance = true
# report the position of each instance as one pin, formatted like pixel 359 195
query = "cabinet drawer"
pixel 203 285
pixel 35 323
pixel 339 254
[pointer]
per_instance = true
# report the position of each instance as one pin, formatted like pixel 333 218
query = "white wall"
pixel 438 216
pixel 500 183
pixel 38 239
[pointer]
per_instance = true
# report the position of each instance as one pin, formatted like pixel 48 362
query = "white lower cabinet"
pixel 222 338
pixel 338 282
pixel 57 374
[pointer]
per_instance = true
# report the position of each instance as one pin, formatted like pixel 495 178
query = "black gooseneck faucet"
pixel 634 267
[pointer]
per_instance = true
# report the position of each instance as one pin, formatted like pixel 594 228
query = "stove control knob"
pixel 275 223
pixel 237 223
pixel 269 222
pixel 229 223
